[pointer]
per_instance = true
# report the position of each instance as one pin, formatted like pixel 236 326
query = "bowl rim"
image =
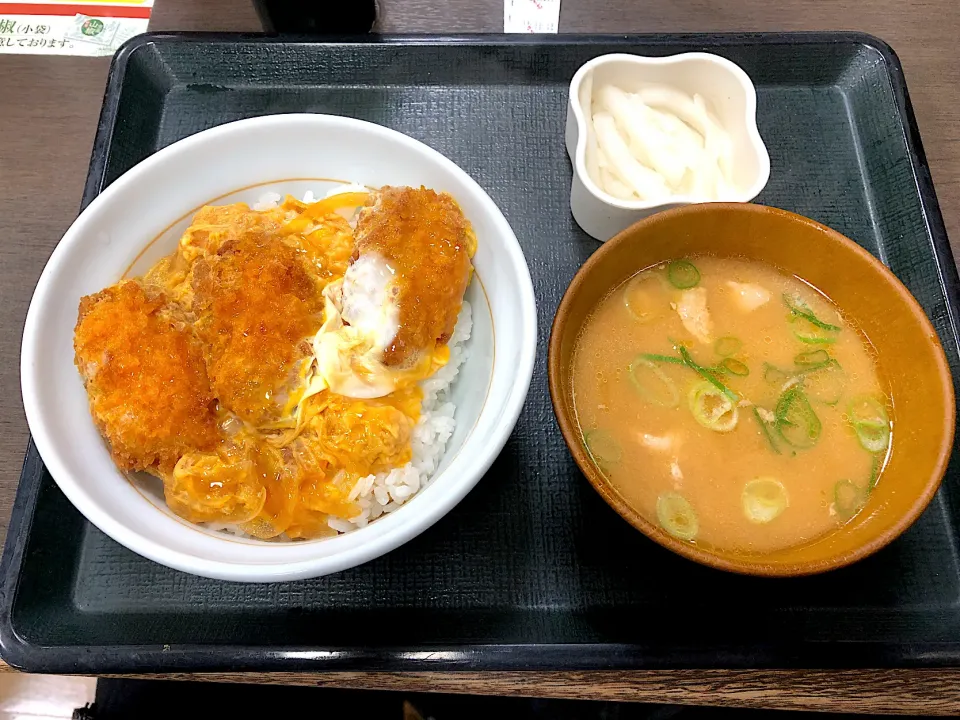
pixel 750 123
pixel 378 543
pixel 569 428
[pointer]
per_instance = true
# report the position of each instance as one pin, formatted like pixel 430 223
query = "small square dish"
pixel 702 95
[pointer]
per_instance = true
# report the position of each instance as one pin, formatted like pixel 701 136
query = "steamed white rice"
pixel 386 492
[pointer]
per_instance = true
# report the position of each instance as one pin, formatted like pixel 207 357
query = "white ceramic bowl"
pixel 730 95
pixel 154 202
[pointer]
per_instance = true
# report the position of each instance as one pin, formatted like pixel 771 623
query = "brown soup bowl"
pixel 909 354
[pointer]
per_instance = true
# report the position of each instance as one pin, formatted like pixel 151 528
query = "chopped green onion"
pixel 825 382
pixel 642 305
pixel 663 358
pixel 706 374
pixel 797 423
pixel 775 376
pixel 814 336
pixel 799 308
pixel 727 346
pixel 808 328
pixel 764 499
pixel 683 274
pixel 735 367
pixel 814 339
pixel 765 428
pixel 677 517
pixel 812 358
pixel 795 303
pixel 871 423
pixel 810 333
pixel 873 438
pixel 652 383
pixel 848 498
pixel 603 448
pixel 711 408
pixel 867 409
pixel 875 470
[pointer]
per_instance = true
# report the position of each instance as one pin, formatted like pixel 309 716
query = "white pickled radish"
pixel 644 181
pixel 647 141
pixel 656 143
pixel 613 185
pixel 679 131
pixel 679 138
pixel 611 182
pixel 677 103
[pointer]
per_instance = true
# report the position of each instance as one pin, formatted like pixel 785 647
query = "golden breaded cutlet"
pixel 424 236
pixel 257 306
pixel 145 376
pixel 214 225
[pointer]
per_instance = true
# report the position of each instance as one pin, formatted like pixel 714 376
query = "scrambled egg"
pixel 349 357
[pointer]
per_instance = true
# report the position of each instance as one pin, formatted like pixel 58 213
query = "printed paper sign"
pixel 58 27
pixel 531 16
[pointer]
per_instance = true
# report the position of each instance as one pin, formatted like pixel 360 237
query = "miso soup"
pixel 732 405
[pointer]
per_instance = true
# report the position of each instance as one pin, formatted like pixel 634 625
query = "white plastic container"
pixel 729 94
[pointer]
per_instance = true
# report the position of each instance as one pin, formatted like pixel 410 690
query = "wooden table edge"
pixel 924 691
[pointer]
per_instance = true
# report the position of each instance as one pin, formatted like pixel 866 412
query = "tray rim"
pixel 22 654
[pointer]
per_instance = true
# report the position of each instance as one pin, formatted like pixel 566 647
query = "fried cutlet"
pixel 214 225
pixel 144 373
pixel 256 306
pixel 426 240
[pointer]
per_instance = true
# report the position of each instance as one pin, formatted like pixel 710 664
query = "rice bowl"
pixel 114 235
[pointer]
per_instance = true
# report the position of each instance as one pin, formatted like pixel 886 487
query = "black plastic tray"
pixel 532 570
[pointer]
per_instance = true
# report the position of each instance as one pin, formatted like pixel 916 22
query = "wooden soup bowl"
pixel 911 360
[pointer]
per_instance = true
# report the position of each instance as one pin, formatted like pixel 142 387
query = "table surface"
pixel 48 116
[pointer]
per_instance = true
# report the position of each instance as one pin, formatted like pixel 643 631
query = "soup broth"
pixel 731 405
